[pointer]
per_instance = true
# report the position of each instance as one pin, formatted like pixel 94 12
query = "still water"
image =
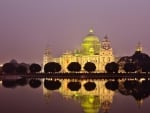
pixel 74 96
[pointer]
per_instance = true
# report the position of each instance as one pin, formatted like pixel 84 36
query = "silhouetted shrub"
pixel 74 67
pixel 131 84
pixel 74 86
pixel 139 58
pixel 22 81
pixel 34 83
pixel 52 67
pixel 129 67
pixel 112 67
pixel 35 68
pixel 112 85
pixel 90 67
pixel 146 66
pixel 140 94
pixel 9 83
pixel 1 71
pixel 9 68
pixel 52 85
pixel 21 69
pixel 89 86
pixel 146 84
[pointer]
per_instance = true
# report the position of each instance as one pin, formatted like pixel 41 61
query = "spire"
pixel 106 37
pixel 91 31
pixel 47 51
pixel 139 103
pixel 47 56
pixel 106 43
pixel 139 47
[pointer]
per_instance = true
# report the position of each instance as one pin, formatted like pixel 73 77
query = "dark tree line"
pixel 137 89
pixel 138 62
pixel 33 83
pixel 76 67
pixel 50 67
pixel 13 67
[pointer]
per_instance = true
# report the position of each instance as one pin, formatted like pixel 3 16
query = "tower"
pixel 47 56
pixel 139 47
pixel 106 53
pixel 106 43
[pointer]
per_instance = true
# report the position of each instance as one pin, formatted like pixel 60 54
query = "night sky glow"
pixel 28 26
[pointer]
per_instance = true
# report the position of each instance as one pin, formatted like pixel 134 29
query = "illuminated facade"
pixel 92 50
pixel 91 101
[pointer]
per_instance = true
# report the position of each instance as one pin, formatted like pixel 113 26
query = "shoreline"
pixel 77 76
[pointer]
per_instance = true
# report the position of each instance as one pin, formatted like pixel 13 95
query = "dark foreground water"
pixel 74 96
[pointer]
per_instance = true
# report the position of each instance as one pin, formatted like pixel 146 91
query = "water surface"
pixel 22 97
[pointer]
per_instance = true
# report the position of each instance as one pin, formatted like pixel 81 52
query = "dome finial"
pixel 91 30
pixel 139 47
pixel 106 37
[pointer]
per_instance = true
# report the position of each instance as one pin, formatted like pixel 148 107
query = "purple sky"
pixel 28 26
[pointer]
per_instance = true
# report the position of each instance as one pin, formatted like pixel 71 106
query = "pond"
pixel 74 96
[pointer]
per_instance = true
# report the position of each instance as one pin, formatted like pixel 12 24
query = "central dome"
pixel 90 44
pixel 91 37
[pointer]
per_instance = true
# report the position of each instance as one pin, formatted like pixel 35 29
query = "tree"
pixel 9 83
pixel 9 68
pixel 139 59
pixel 112 67
pixel 112 85
pixel 35 83
pixel 35 68
pixel 89 86
pixel 1 70
pixel 90 66
pixel 52 67
pixel 21 69
pixel 146 66
pixel 52 85
pixel 131 84
pixel 129 67
pixel 74 86
pixel 22 81
pixel 74 67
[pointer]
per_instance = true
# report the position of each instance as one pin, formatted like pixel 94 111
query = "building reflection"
pixel 92 95
pixel 92 101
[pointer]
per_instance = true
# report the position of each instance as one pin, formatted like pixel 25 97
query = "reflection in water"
pixel 90 86
pixel 92 95
pixel 14 83
pixel 138 89
pixel 33 83
pixel 52 84
pixel 74 86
